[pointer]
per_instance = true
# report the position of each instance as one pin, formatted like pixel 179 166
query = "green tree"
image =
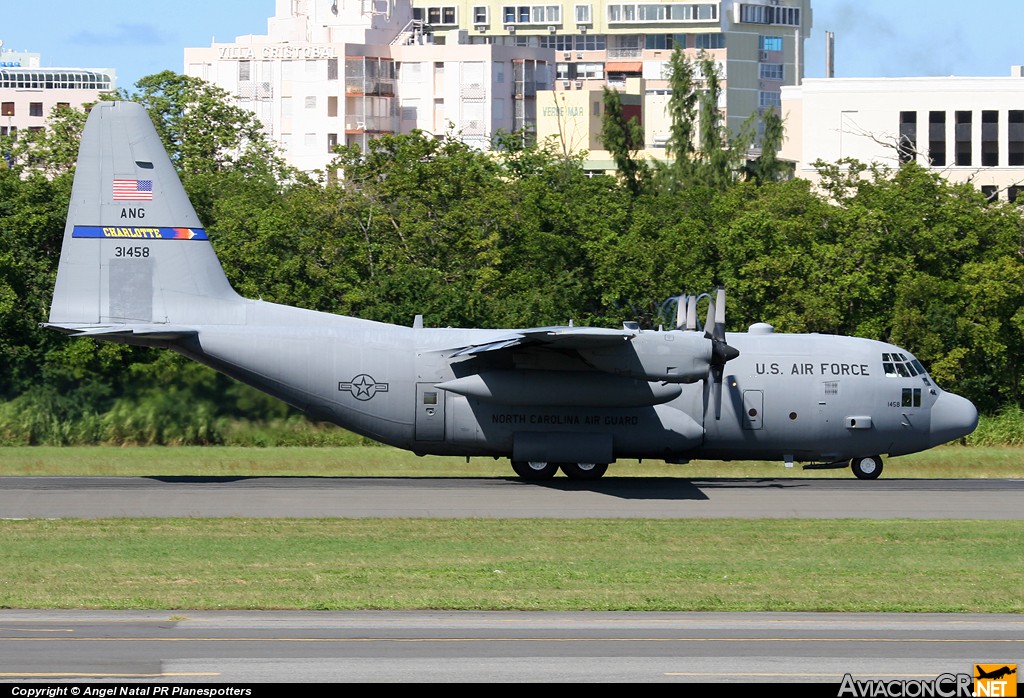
pixel 767 167
pixel 54 149
pixel 682 112
pixel 623 139
pixel 202 129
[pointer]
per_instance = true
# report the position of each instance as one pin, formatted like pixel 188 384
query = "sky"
pixel 874 38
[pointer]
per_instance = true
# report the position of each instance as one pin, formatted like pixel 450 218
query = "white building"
pixel 344 71
pixel 29 93
pixel 970 129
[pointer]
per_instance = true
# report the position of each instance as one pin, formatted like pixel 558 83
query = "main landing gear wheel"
pixel 534 469
pixel 584 471
pixel 868 468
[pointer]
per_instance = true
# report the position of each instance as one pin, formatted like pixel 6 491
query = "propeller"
pixel 721 352
pixel 686 312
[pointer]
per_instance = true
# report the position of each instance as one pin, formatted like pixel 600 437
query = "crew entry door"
pixel 753 405
pixel 429 413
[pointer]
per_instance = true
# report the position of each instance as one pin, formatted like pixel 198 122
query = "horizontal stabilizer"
pixel 159 332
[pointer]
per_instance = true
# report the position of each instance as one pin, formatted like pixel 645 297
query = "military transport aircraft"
pixel 137 267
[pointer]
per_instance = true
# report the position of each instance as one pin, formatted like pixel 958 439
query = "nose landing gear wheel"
pixel 534 470
pixel 584 471
pixel 867 468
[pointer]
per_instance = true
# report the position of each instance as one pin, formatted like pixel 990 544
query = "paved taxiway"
pixel 263 497
pixel 233 647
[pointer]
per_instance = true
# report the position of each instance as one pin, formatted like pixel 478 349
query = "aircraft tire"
pixel 584 471
pixel 867 468
pixel 534 470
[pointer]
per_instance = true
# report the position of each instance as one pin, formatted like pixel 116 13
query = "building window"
pixel 561 42
pixel 1011 193
pixel 532 14
pixel 937 138
pixel 663 12
pixel 35 109
pixel 770 43
pixel 582 13
pixel 962 135
pixel 658 41
pixel 1015 141
pixel 990 192
pixel 709 41
pixel 244 71
pixel 441 15
pixel 907 147
pixel 590 42
pixel 769 98
pixel 764 14
pixel 332 68
pixel 771 71
pixel 480 14
pixel 989 138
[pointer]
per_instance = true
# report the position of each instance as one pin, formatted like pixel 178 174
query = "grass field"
pixel 545 564
pixel 372 461
pixel 797 565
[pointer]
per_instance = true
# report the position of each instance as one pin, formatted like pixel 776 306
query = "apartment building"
pixel 28 93
pixel 332 72
pixel 969 129
pixel 346 71
pixel 757 44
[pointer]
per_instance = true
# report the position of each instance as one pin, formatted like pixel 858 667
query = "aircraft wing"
pixel 154 331
pixel 551 338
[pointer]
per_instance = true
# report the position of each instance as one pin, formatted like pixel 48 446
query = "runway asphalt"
pixel 498 647
pixel 656 498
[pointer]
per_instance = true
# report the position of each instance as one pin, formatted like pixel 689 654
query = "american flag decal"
pixel 133 190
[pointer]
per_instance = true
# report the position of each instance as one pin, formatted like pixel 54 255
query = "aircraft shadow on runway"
pixel 634 488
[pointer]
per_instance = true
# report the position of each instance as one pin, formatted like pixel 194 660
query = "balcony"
pixel 614 53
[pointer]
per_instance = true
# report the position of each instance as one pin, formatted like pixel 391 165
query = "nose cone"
pixel 953 417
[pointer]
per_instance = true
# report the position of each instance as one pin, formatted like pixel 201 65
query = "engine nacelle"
pixel 672 357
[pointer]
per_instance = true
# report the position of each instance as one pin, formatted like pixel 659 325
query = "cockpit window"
pixel 897 365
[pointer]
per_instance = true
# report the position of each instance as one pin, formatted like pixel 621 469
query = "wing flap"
pixel 552 338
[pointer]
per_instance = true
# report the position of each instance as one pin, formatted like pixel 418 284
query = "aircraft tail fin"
pixel 135 255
